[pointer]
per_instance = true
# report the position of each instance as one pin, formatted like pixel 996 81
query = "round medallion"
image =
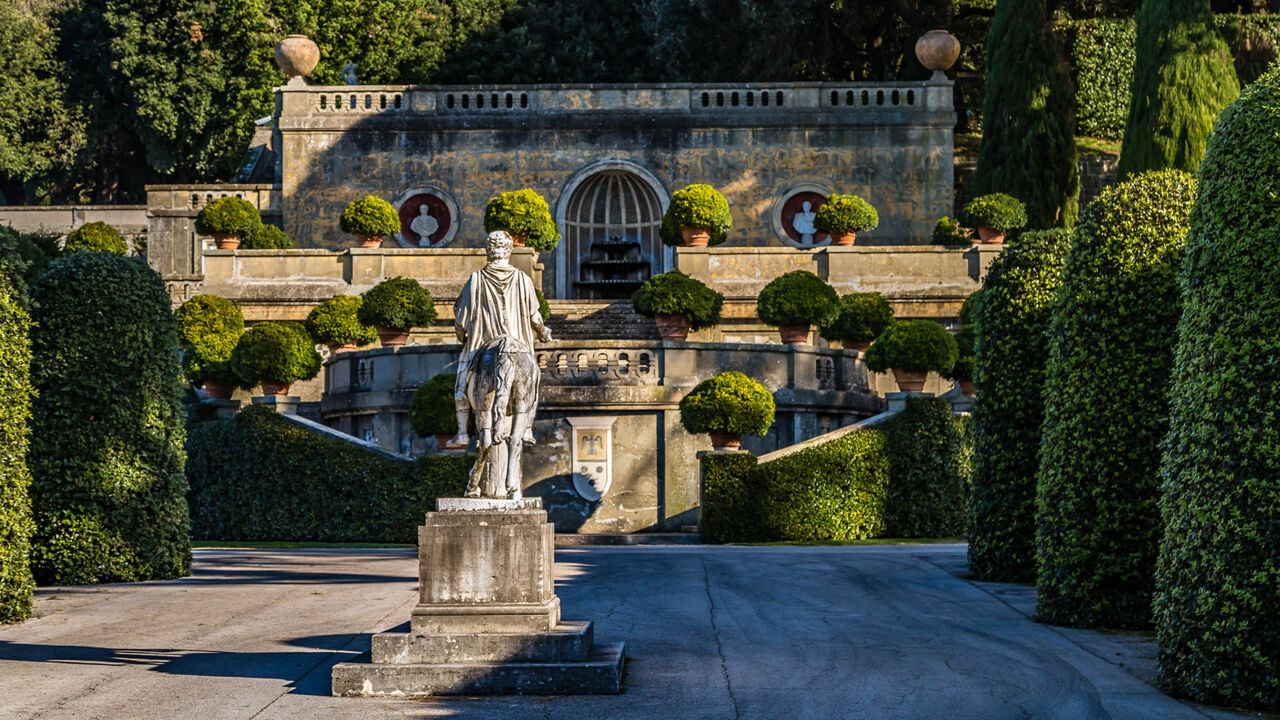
pixel 797 215
pixel 428 218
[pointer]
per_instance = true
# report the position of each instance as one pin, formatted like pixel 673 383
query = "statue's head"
pixel 498 247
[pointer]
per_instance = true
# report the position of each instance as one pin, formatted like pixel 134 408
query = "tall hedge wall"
pixel 16 582
pixel 1010 352
pixel 108 491
pixel 1106 408
pixel 730 510
pixel 257 477
pixel 1217 601
pixel 929 470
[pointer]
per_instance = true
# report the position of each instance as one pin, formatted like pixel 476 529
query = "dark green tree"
pixel 1106 408
pixel 1183 76
pixel 1028 147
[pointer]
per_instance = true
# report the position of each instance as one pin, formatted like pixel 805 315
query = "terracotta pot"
pixel 220 390
pixel 909 380
pixel 794 334
pixel 271 387
pixel 966 387
pixel 990 236
pixel 369 241
pixel 844 239
pixel 335 348
pixel 937 50
pixel 672 327
pixel 392 337
pixel 725 441
pixel 297 55
pixel 226 241
pixel 519 239
pixel 859 345
pixel 695 237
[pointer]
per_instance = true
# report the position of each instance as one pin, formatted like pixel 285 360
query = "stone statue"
pixel 424 226
pixel 496 318
pixel 803 222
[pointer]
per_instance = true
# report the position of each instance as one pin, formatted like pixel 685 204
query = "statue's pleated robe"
pixel 495 302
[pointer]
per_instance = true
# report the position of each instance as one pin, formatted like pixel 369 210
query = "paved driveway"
pixel 712 632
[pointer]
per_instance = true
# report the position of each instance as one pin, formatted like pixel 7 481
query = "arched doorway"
pixel 610 214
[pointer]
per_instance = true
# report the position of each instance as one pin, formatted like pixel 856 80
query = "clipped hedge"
pixel 16 582
pixel 369 215
pixel 205 315
pixel 1098 524
pixel 913 345
pixel 335 322
pixel 258 477
pixel 728 402
pixel 106 456
pixel 434 410
pixel 229 215
pixel 1009 361
pixel 266 237
pixel 842 214
pixel 696 206
pixel 526 214
pixel 862 317
pixel 96 237
pixel 1217 600
pixel 798 298
pixel 929 473
pixel 674 293
pixel 730 510
pixel 835 491
pixel 281 352
pixel 998 211
pixel 210 359
pixel 399 303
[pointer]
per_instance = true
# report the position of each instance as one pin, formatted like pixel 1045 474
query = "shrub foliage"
pixel 674 293
pixel 278 351
pixel 834 491
pixel 798 298
pixel 107 425
pixel 1009 360
pixel 948 232
pixel 369 215
pixel 258 477
pixel 266 237
pixel 209 358
pixel 696 206
pixel 230 215
pixel 914 345
pixel 997 211
pixel 841 214
pixel 399 303
pixel 96 237
pixel 16 527
pixel 1098 524
pixel 861 318
pixel 729 402
pixel 335 321
pixel 205 315
pixel 929 470
pixel 433 411
pixel 523 212
pixel 1217 601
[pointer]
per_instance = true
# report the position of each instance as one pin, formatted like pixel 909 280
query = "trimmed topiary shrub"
pixel 370 215
pixel 106 454
pixel 798 298
pixel 834 491
pixel 841 214
pixel 997 211
pixel 281 352
pixel 433 411
pixel 674 293
pixel 729 402
pixel 96 237
pixel 862 316
pixel 205 315
pixel 209 358
pixel 948 232
pixel 523 214
pixel 1217 599
pixel 16 527
pixel 229 216
pixel 1098 523
pixel 730 510
pixel 696 206
pixel 398 303
pixel 266 237
pixel 259 477
pixel 1010 355
pixel 913 345
pixel 929 470
pixel 336 322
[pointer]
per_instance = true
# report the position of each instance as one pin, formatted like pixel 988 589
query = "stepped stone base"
pixel 487 620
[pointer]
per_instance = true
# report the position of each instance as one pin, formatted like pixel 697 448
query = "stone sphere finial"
pixel 297 56
pixel 937 50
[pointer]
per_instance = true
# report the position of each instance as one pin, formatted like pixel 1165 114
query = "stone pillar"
pixel 487 620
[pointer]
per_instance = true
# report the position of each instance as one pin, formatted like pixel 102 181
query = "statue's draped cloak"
pixel 496 302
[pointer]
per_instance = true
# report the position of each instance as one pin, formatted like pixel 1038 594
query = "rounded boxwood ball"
pixel 862 317
pixel 336 322
pixel 997 211
pixel 696 206
pixel 266 237
pixel 674 293
pixel 915 345
pixel 798 298
pixel 227 215
pixel 277 351
pixel 96 237
pixel 205 315
pixel 841 214
pixel 729 402
pixel 370 215
pixel 524 213
pixel 399 303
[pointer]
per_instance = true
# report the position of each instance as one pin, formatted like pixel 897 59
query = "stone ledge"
pixel 458 619
pixel 569 641
pixel 487 504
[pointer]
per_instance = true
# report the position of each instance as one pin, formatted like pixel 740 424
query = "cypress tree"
pixel 1028 145
pixel 1182 77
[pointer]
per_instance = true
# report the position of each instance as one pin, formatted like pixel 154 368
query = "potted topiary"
pixel 96 237
pixel 370 218
pixel 861 318
pixel 395 306
pixel 948 232
pixel 205 315
pixel 678 304
pixel 697 216
pixel 911 349
pixel 844 216
pixel 994 215
pixel 227 220
pixel 275 354
pixel 207 363
pixel 266 237
pixel 525 215
pixel 334 322
pixel 727 406
pixel 433 412
pixel 795 301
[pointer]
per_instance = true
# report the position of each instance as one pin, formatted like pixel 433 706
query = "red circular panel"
pixel 411 210
pixel 797 220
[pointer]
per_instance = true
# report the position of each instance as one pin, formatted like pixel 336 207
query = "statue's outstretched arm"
pixel 540 328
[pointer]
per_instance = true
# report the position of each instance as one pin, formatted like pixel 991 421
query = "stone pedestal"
pixel 487 620
pixel 283 404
